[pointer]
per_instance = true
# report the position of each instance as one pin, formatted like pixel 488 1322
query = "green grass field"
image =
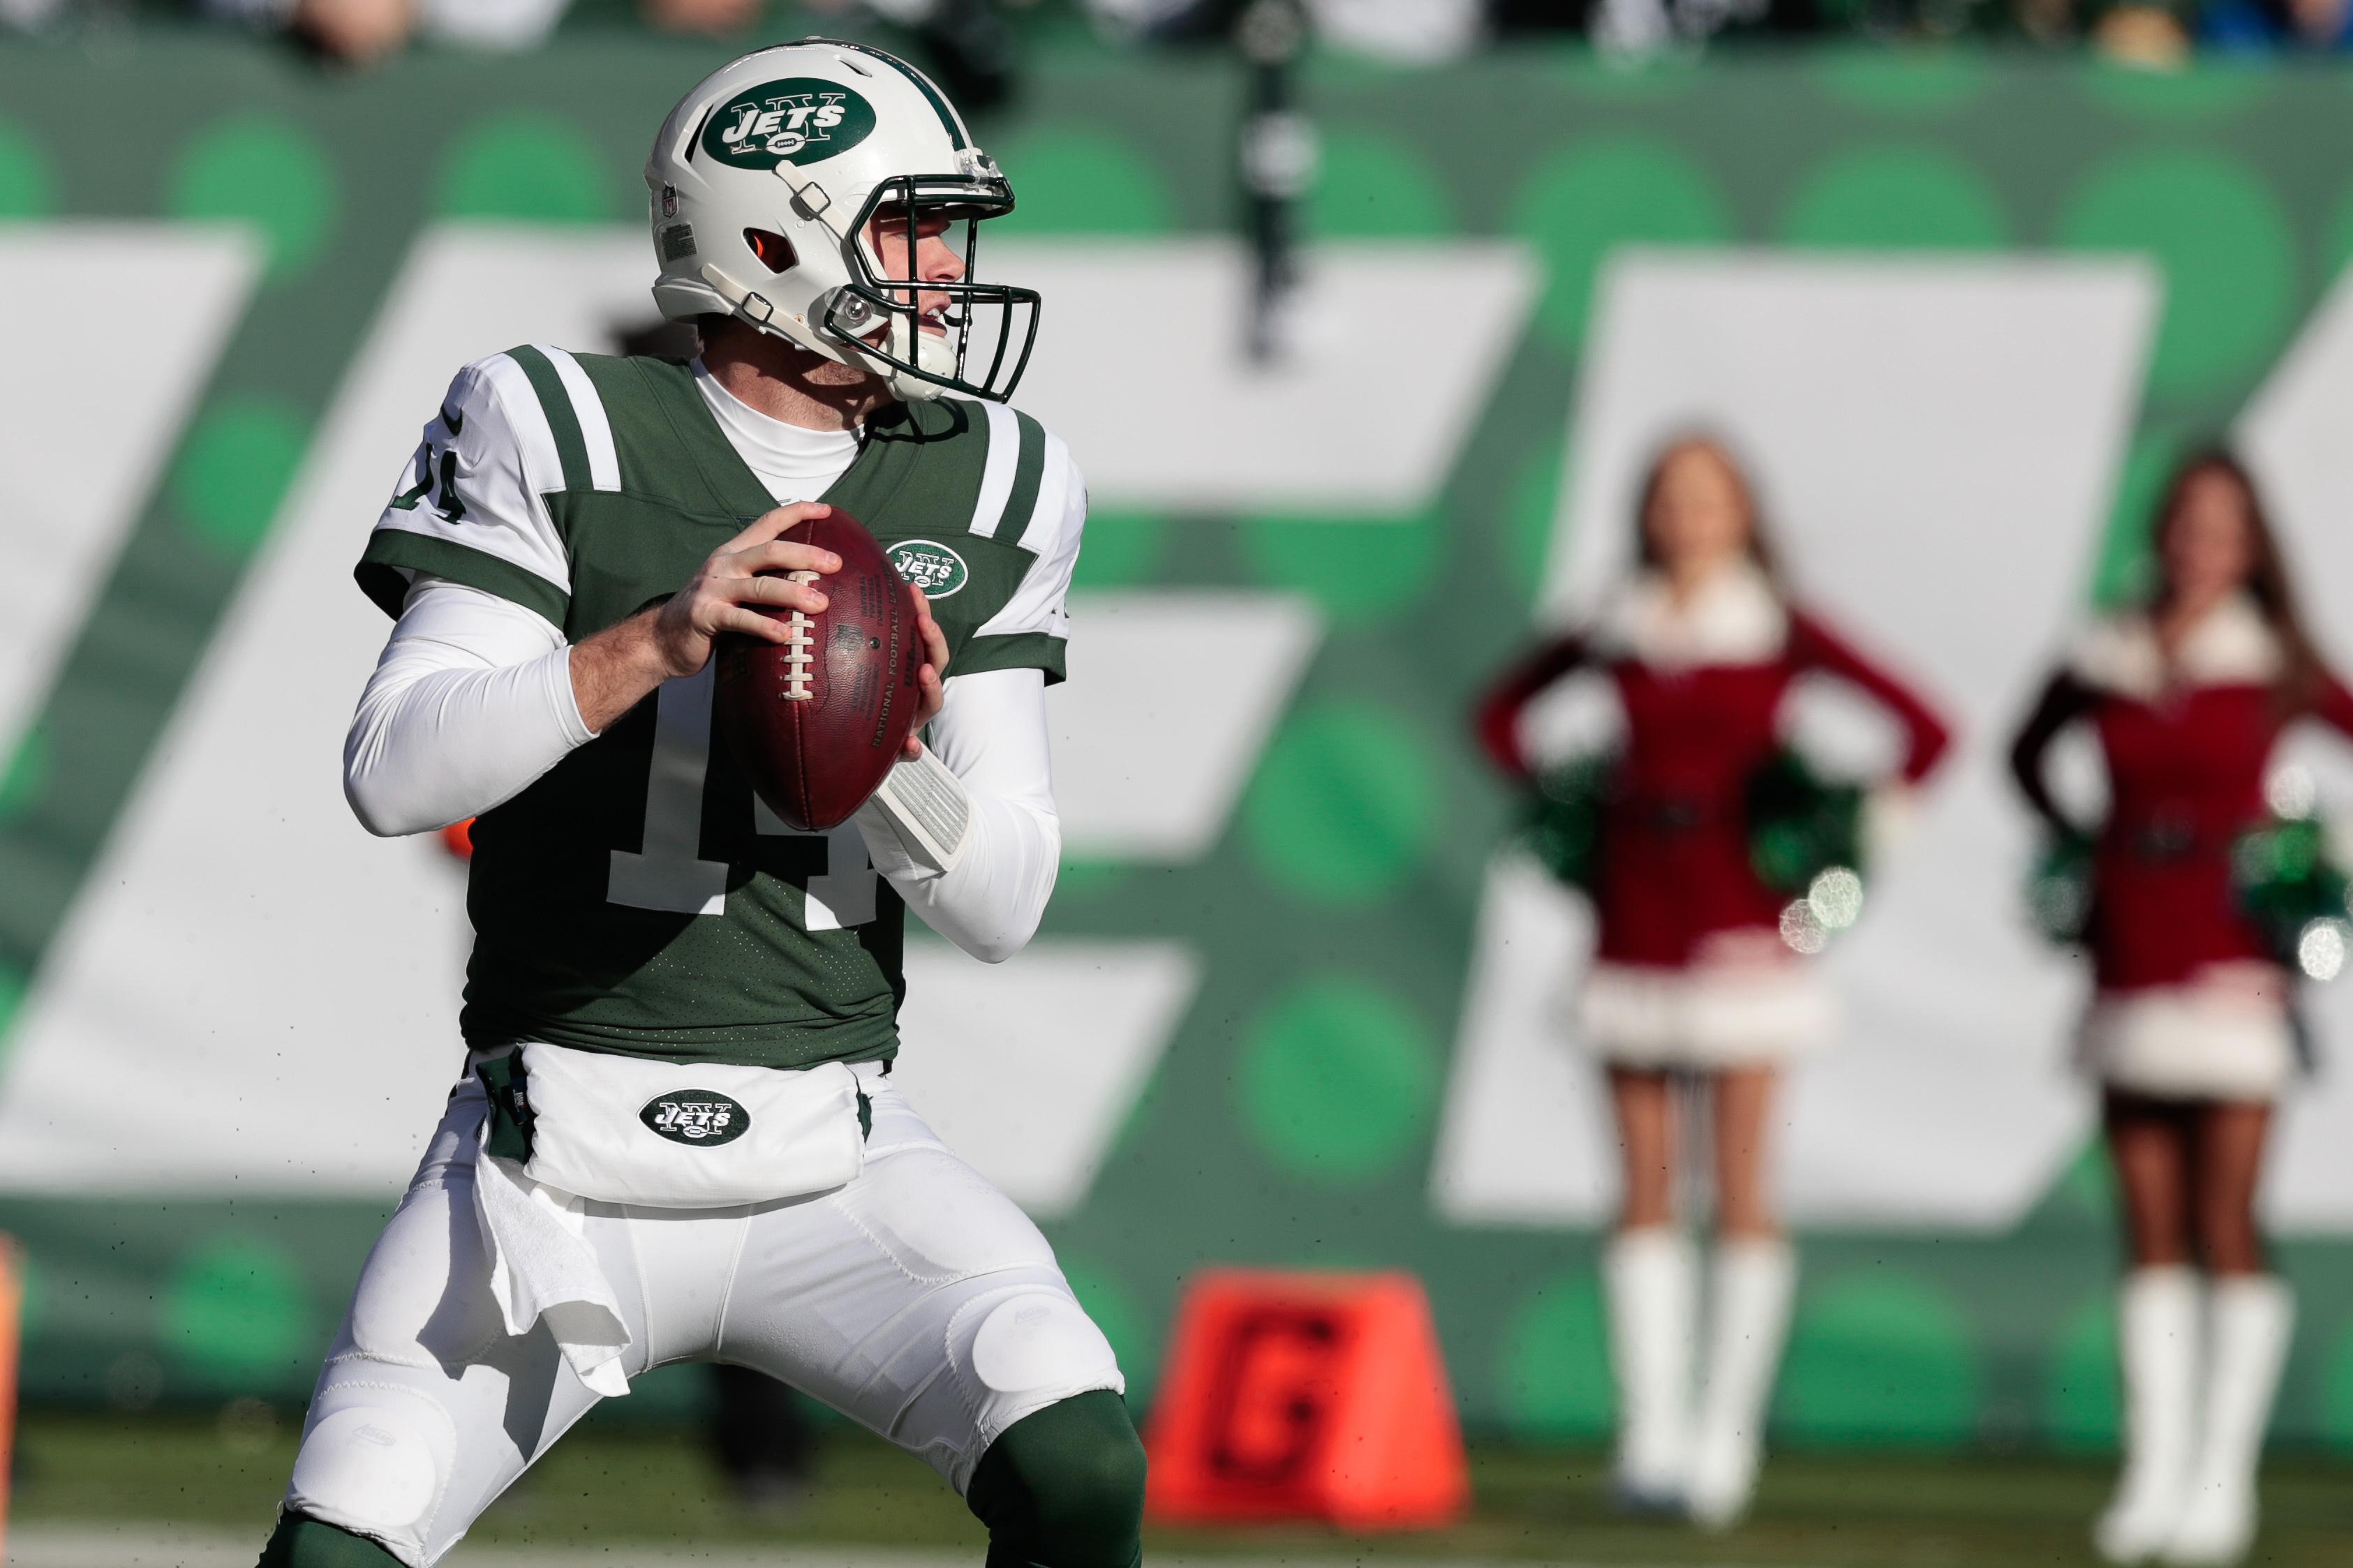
pixel 612 1485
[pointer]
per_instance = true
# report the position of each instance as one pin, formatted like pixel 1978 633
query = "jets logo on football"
pixel 930 566
pixel 797 121
pixel 696 1117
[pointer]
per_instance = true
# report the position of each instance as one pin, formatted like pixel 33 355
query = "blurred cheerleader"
pixel 2189 1031
pixel 1691 974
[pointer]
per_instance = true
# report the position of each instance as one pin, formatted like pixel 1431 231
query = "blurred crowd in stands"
pixel 971 43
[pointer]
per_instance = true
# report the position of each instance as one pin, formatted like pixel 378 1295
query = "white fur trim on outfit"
pixel 2210 1040
pixel 2231 644
pixel 1736 617
pixel 1704 1016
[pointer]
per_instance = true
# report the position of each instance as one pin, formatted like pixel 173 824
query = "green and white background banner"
pixel 1289 1006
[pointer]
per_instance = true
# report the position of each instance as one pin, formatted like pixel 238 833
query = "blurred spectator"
pixel 965 43
pixel 1508 18
pixel 360 31
pixel 709 18
pixel 2147 35
pixel 761 1438
pixel 2244 25
pixel 1407 31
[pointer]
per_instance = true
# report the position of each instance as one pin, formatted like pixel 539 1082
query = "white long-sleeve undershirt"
pixel 991 734
pixel 472 700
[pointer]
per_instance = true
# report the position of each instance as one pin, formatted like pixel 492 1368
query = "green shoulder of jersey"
pixel 636 899
pixel 649 487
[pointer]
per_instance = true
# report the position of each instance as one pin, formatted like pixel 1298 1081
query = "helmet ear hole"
pixel 775 251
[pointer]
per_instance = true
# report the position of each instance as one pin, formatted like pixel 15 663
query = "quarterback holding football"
pixel 676 1137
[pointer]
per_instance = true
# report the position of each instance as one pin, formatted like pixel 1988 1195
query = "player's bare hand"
pixel 932 679
pixel 752 569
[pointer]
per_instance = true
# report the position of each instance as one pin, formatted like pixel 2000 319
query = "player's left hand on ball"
pixel 932 678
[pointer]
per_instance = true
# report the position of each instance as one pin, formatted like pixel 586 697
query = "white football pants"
pixel 918 1300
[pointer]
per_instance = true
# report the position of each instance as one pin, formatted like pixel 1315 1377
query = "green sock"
pixel 1063 1488
pixel 300 1542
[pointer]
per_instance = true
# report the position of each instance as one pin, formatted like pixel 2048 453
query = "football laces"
pixel 799 640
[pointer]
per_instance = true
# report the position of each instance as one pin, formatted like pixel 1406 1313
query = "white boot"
pixel 1750 1319
pixel 1650 1277
pixel 2156 1343
pixel 2250 1319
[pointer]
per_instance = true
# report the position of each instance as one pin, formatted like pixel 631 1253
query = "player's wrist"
pixel 614 670
pixel 659 644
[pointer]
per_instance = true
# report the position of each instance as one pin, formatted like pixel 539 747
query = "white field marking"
pixel 1145 766
pixel 1937 442
pixel 82 444
pixel 1029 1068
pixel 1185 421
pixel 270 993
pixel 1512 1074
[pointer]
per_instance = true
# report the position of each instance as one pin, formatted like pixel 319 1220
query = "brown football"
pixel 817 722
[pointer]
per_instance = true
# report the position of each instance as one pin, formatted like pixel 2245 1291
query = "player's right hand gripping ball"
pixel 817 722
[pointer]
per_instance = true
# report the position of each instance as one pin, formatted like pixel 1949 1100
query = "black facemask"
pixel 991 327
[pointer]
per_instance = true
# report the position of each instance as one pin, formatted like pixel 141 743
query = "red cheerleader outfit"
pixel 1690 969
pixel 2188 1002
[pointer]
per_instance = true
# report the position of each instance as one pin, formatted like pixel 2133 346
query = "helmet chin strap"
pixel 755 310
pixel 929 355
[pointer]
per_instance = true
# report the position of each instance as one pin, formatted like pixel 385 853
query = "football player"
pixel 677 1137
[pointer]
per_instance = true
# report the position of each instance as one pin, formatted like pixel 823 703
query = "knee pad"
pixel 1040 1342
pixel 374 1463
pixel 300 1542
pixel 1064 1487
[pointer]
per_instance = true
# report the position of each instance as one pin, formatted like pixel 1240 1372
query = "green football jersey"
pixel 639 898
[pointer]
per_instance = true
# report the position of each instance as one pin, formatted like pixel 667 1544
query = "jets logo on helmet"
pixel 796 120
pixel 789 184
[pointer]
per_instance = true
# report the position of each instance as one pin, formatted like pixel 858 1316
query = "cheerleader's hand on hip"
pixel 1891 812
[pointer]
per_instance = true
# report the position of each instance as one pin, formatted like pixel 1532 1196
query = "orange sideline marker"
pixel 1317 1395
pixel 12 1302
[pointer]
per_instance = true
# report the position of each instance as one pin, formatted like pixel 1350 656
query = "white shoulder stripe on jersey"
pixel 997 475
pixel 1056 527
pixel 1049 519
pixel 1049 514
pixel 596 430
pixel 535 438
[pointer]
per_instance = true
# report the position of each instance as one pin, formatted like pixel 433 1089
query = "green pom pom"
pixel 2289 887
pixel 1801 825
pixel 2059 892
pixel 1561 825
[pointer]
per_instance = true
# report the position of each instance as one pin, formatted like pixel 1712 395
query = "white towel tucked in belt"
pixel 541 1267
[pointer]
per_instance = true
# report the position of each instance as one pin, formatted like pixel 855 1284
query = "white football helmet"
pixel 763 182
